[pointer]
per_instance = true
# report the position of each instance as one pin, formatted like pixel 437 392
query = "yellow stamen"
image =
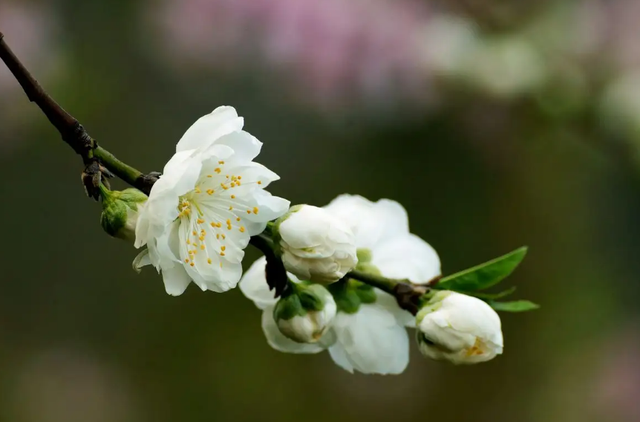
pixel 241 229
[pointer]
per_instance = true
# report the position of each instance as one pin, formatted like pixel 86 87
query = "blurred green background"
pixel 495 123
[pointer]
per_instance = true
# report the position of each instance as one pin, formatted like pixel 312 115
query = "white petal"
pixel 175 280
pixel 141 260
pixel 270 207
pixel 350 208
pixel 340 358
pixel 245 146
pixel 371 222
pixel 278 341
pixel 388 302
pixel 406 256
pixel 372 341
pixel 254 285
pixel 209 128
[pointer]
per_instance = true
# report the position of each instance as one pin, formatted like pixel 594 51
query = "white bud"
pixel 459 328
pixel 120 212
pixel 306 314
pixel 316 246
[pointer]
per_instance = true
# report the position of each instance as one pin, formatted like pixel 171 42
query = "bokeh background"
pixel 495 123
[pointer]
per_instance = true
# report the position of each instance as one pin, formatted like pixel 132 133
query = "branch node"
pixel 408 296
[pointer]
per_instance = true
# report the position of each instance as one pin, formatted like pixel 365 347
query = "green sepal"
pixel 346 297
pixel 113 217
pixel 288 307
pixel 515 306
pixel 310 297
pixel 133 197
pixel 364 291
pixel 364 255
pixel 484 275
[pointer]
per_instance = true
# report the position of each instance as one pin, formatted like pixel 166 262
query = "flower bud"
pixel 305 314
pixel 120 211
pixel 458 328
pixel 316 246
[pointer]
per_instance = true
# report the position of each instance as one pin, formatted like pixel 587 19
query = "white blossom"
pixel 459 328
pixel 316 245
pixel 209 201
pixel 382 229
pixel 373 339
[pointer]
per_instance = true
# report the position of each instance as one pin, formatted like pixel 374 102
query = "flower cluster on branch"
pixel 349 277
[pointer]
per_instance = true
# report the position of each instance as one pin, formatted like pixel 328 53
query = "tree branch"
pixel 407 294
pixel 72 132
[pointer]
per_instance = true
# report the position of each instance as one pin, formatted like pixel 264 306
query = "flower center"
pixel 212 211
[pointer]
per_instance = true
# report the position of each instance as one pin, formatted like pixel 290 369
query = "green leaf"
pixel 500 295
pixel 484 275
pixel 515 306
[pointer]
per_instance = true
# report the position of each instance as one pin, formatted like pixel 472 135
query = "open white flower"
pixel 373 338
pixel 382 230
pixel 316 245
pixel 209 201
pixel 459 328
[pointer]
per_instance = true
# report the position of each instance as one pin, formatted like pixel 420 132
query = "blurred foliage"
pixel 520 129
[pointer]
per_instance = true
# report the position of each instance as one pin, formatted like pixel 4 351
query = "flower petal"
pixel 372 223
pixel 388 302
pixel 209 128
pixel 254 285
pixel 406 256
pixel 370 341
pixel 246 147
pixel 141 260
pixel 175 280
